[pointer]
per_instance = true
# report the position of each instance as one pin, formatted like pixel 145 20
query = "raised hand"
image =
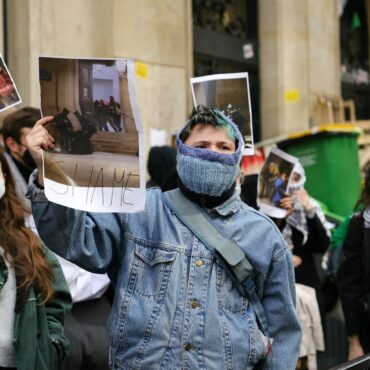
pixel 39 139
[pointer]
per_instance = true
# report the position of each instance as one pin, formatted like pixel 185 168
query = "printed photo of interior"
pixel 94 125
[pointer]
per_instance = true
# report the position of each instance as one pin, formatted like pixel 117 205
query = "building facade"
pixel 291 48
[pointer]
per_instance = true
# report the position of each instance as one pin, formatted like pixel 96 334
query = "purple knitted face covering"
pixel 207 172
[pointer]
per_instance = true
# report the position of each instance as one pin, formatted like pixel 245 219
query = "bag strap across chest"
pixel 228 254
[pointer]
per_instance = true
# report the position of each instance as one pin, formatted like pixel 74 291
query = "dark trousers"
pixel 365 337
pixel 86 328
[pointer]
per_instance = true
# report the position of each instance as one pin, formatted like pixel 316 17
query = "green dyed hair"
pixel 202 115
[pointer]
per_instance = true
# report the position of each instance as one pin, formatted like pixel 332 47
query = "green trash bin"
pixel 329 155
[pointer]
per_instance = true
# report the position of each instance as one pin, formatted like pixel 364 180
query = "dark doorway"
pixel 225 41
pixel 86 90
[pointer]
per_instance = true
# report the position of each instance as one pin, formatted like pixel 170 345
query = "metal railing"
pixel 361 363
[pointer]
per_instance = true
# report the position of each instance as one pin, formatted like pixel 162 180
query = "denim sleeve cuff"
pixel 35 192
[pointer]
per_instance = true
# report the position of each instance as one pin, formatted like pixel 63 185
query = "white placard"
pixel 229 93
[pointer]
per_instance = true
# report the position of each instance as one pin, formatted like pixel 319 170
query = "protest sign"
pixel 229 93
pixel 9 96
pixel 273 181
pixel 97 164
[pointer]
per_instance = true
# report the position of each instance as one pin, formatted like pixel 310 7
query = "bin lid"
pixel 331 128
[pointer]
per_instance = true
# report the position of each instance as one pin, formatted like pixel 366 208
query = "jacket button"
pixel 194 303
pixel 188 347
pixel 199 263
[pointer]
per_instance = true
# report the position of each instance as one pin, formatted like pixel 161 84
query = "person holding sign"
pixel 201 280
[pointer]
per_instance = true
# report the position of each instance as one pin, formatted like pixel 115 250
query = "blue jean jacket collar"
pixel 230 206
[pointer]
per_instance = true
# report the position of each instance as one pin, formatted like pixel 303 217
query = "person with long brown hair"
pixel 34 297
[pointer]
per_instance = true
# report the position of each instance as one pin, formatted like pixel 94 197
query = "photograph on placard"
pixel 9 96
pixel 230 94
pixel 273 181
pixel 97 132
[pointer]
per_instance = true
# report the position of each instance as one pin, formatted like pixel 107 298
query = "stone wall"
pixel 299 52
pixel 156 33
pixel 299 56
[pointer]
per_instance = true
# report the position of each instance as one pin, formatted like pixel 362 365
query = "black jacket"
pixel 352 278
pixel 306 273
pixel 317 242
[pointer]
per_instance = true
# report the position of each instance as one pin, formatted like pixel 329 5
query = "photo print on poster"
pixel 98 161
pixel 9 96
pixel 230 94
pixel 273 181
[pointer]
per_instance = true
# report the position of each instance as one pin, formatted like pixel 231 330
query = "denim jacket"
pixel 174 306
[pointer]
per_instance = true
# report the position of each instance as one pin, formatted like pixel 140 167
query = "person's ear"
pixel 11 144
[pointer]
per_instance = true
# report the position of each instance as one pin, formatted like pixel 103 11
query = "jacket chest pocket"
pixel 229 297
pixel 153 268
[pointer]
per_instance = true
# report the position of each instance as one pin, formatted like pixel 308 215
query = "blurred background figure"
pixel 33 291
pixel 353 278
pixel 85 324
pixel 248 190
pixel 114 113
pixel 307 233
pixel 3 114
pixel 161 165
pixel 14 130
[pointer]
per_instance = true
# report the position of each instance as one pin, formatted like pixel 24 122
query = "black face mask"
pixel 28 160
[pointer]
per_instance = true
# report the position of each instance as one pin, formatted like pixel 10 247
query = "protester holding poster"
pixel 307 233
pixel 174 306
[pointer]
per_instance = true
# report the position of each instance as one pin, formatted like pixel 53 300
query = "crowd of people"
pixel 108 115
pixel 201 279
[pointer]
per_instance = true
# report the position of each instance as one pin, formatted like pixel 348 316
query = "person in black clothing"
pixel 65 129
pixel 101 115
pixel 307 234
pixel 114 111
pixel 353 278
pixel 248 190
pixel 161 163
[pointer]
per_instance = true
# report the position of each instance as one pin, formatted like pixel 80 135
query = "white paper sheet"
pixel 229 92
pixel 158 137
